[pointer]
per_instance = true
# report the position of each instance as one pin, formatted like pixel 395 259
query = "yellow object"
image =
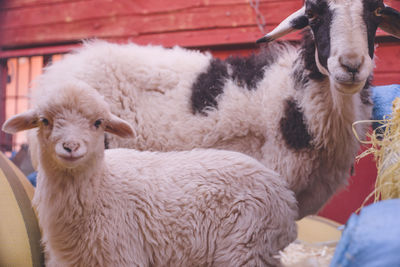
pixel 19 229
pixel 316 229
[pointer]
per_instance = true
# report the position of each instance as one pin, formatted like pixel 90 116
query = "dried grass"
pixel 303 254
pixel 385 146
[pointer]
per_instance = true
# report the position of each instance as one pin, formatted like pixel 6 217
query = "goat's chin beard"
pixel 347 88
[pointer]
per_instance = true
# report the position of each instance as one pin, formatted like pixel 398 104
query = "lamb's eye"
pixel 310 14
pixel 98 123
pixel 44 121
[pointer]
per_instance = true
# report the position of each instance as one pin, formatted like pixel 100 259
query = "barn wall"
pixel 36 27
pixel 387 60
pixel 189 23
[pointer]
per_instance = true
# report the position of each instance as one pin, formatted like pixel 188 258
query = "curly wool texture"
pixel 123 207
pixel 151 88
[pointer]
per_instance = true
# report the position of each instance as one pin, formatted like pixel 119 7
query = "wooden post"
pixel 5 139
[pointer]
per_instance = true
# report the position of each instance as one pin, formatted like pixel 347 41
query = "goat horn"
pixel 295 21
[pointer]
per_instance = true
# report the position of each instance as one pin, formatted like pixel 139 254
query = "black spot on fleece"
pixel 246 72
pixel 208 86
pixel 293 127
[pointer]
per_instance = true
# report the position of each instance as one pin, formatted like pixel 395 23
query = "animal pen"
pixel 34 33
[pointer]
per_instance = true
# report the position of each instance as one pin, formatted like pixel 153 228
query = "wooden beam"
pixel 5 139
pixel 38 51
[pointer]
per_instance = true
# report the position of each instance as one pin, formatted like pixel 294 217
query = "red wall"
pixel 387 60
pixel 190 23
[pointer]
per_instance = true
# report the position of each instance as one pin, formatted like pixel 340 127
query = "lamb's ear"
pixel 119 127
pixel 390 21
pixel 20 122
pixel 294 22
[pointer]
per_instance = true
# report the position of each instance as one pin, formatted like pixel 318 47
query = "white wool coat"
pixel 197 208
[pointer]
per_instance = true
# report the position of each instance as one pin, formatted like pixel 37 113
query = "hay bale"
pixel 385 146
pixel 19 229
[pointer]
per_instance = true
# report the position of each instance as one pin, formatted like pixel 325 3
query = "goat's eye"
pixel 378 11
pixel 44 121
pixel 98 123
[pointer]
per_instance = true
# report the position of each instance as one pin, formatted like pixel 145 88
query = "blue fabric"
pixel 371 239
pixel 383 96
pixel 32 178
pixel 13 153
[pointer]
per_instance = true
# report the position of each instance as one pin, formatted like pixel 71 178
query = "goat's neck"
pixel 330 118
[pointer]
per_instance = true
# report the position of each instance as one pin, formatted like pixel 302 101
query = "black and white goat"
pixel 290 106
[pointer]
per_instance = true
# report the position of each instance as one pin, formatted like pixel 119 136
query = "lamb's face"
pixel 71 122
pixel 344 33
pixel 71 138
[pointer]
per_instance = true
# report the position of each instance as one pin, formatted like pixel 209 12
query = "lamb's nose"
pixel 351 62
pixel 71 146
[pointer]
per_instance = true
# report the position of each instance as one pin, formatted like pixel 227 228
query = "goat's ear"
pixel 20 122
pixel 390 21
pixel 294 22
pixel 119 127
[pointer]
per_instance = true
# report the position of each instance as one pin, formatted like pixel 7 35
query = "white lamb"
pixel 122 207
